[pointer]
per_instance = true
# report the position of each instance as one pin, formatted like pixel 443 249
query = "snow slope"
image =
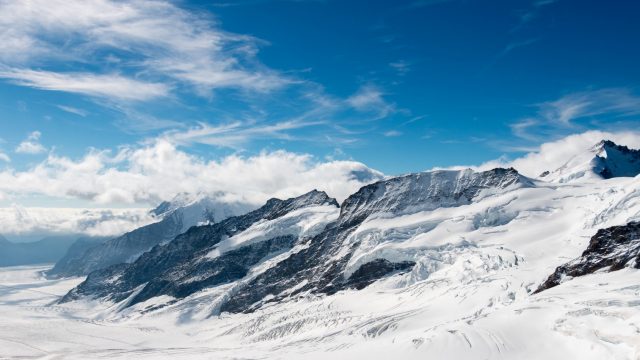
pixel 470 294
pixel 174 218
pixel 604 160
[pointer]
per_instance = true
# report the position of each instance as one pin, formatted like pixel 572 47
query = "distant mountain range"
pixel 47 250
pixel 175 217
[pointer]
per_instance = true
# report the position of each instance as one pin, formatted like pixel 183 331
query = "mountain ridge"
pixel 603 160
pixel 312 265
pixel 175 219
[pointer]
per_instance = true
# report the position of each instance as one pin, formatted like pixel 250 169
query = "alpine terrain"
pixel 464 264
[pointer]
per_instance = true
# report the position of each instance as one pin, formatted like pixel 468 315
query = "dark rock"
pixel 615 160
pixel 611 248
pixel 374 270
pixel 320 267
pixel 181 267
pixel 176 218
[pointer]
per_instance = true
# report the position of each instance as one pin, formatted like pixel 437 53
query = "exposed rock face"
pixel 320 267
pixel 75 254
pixel 611 248
pixel 176 218
pixel 374 270
pixel 186 264
pixel 616 160
pixel 183 266
pixel 604 160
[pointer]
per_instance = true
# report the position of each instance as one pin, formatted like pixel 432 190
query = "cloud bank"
pixel 158 171
pixel 32 222
pixel 147 174
pixel 143 176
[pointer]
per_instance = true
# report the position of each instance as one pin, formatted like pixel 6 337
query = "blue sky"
pixel 401 86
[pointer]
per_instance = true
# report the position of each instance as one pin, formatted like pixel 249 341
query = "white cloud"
pixel 590 103
pixel 73 110
pixel 367 96
pixel 4 157
pixel 21 221
pixel 401 67
pixel 553 155
pixel 392 133
pixel 109 86
pixel 236 134
pixel 570 112
pixel 31 145
pixel 159 171
pixel 147 42
pixel 370 98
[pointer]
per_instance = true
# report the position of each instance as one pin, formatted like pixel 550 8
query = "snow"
pixel 468 297
pixel 302 223
pixel 200 210
pixel 493 319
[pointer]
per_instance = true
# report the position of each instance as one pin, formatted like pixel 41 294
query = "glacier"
pixel 440 264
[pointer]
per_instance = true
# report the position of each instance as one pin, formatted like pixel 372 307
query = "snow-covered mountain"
pixel 215 254
pixel 604 160
pixel 46 250
pixel 325 263
pixel 175 217
pixel 443 264
pixel 610 249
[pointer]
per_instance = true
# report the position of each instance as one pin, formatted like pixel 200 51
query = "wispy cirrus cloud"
pixel 528 14
pixel 618 102
pixel 401 67
pixel 147 44
pixel 370 98
pixel 513 46
pixel 392 133
pixel 127 54
pixel 577 111
pixel 235 135
pixel 110 86
pixel 73 110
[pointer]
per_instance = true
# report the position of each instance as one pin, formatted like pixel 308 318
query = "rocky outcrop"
pixel 184 266
pixel 197 259
pixel 611 249
pixel 320 267
pixel 604 160
pixel 615 160
pixel 175 218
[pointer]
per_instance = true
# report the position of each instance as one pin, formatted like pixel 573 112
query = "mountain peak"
pixel 276 207
pixel 428 190
pixel 604 160
pixel 613 160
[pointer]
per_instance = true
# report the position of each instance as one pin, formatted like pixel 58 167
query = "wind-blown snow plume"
pixel 573 150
